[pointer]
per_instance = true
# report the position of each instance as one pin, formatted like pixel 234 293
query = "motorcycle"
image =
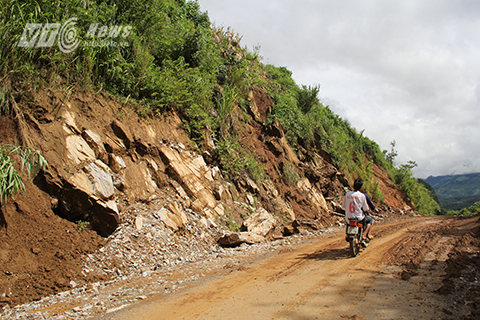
pixel 355 230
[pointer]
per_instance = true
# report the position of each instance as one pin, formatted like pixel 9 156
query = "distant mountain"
pixel 456 192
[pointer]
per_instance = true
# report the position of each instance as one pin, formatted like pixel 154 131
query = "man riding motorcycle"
pixel 356 207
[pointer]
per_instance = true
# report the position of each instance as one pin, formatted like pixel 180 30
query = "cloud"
pixel 402 70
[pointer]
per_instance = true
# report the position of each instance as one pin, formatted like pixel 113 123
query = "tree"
pixel 390 156
pixel 307 97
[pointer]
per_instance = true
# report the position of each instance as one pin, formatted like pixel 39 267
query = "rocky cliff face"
pixel 139 183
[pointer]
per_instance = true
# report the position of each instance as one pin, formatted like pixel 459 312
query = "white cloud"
pixel 402 70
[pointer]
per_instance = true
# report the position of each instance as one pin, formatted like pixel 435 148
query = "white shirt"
pixel 353 204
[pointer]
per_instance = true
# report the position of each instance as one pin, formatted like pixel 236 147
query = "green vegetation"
pixel 422 197
pixel 82 225
pixel 311 125
pixel 230 222
pixel 10 180
pixel 467 212
pixel 236 158
pixel 176 60
pixel 456 192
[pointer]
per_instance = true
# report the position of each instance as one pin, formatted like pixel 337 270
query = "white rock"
pixel 78 149
pixel 138 223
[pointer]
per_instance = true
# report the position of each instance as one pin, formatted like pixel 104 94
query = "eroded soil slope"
pixel 42 249
pixel 40 253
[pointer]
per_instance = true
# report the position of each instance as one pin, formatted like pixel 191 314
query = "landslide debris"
pixel 123 194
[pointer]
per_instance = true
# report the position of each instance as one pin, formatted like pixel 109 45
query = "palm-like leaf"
pixel 10 180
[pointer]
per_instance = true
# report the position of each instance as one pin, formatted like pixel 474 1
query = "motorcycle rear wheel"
pixel 354 246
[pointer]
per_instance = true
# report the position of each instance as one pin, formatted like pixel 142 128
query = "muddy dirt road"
pixel 403 274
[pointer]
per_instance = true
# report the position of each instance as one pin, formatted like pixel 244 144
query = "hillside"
pixel 156 177
pixel 456 192
pixel 181 141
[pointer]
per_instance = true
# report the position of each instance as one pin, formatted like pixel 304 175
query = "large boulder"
pixel 78 150
pixel 261 222
pixel 88 195
pixel 193 174
pixel 318 202
pixel 260 226
pixel 234 239
pixel 173 217
pixel 139 178
pixel 96 144
pixel 306 225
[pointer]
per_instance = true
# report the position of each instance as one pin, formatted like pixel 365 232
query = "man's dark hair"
pixel 358 184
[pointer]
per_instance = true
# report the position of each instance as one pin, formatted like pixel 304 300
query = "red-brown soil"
pixel 40 253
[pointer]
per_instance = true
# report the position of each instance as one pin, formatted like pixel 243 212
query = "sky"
pixel 405 71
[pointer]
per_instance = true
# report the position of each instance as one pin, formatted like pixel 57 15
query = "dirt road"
pixel 401 275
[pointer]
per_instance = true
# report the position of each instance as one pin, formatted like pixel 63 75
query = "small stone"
pixel 116 308
pixel 138 223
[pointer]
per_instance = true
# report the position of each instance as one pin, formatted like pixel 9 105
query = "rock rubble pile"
pixel 145 243
pixel 184 263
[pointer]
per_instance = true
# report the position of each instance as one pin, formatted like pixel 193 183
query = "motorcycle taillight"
pixel 353 223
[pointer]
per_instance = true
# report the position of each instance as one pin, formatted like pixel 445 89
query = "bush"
pixel 420 196
pixel 236 159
